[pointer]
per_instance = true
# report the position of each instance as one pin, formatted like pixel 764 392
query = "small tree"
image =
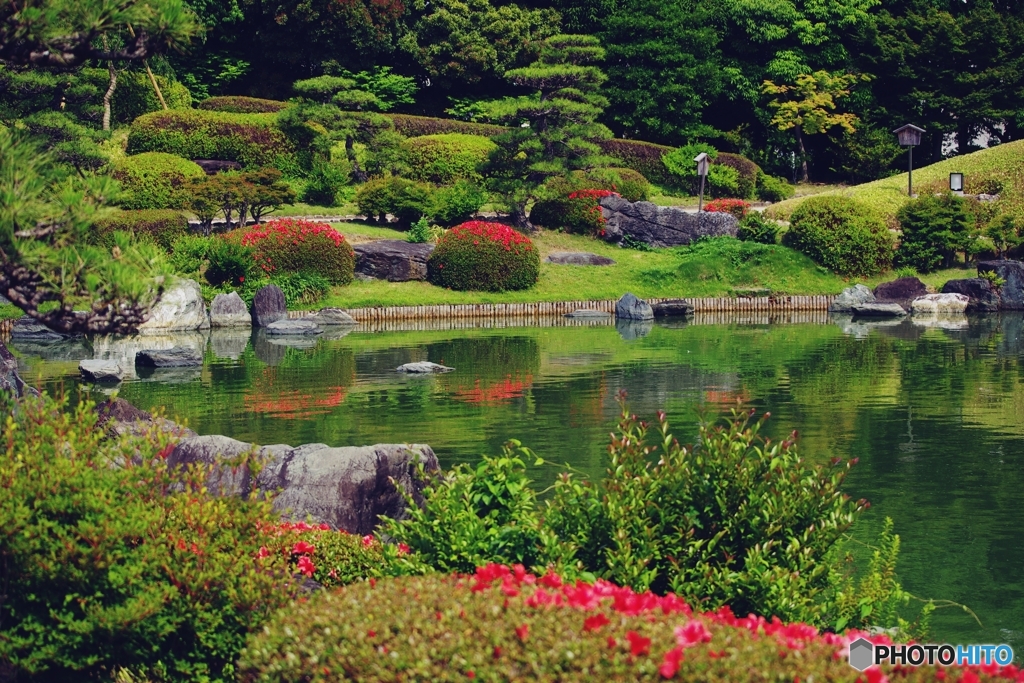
pixel 554 130
pixel 1005 232
pixel 933 230
pixel 808 107
pixel 270 192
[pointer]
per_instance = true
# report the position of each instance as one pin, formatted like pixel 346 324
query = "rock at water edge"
pixel 101 370
pixel 629 307
pixel 850 297
pixel 940 305
pixel 180 308
pixel 982 296
pixel 1011 294
pixel 268 306
pixel 332 316
pixel 879 310
pixel 298 327
pixel 176 357
pixel 672 309
pixel 422 367
pixel 588 313
pixel 228 310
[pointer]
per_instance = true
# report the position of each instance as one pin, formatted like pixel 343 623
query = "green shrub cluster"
pixel 447 157
pixel 722 180
pixel 112 559
pixel 290 245
pixel 250 139
pixel 416 126
pixel 155 180
pixel 303 288
pixel 409 200
pixel 754 227
pixel 772 189
pixel 559 210
pixel 932 231
pixel 134 95
pixel 163 226
pixel 748 172
pixel 841 234
pixel 484 256
pixel 67 140
pixel 643 157
pixel 228 262
pixel 238 104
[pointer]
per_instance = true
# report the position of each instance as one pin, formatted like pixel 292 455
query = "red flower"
pixel 670 664
pixel 522 632
pixel 595 622
pixel 306 566
pixel 694 632
pixel 263 552
pixel 470 674
pixel 367 540
pixel 302 548
pixel 612 643
pixel 638 645
pixel 403 549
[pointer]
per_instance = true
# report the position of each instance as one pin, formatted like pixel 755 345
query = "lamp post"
pixel 956 183
pixel 909 137
pixel 703 161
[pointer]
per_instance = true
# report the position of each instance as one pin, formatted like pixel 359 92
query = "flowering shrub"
pixel 574 209
pixel 737 207
pixel 505 624
pixel 294 245
pixel 484 256
pixel 583 212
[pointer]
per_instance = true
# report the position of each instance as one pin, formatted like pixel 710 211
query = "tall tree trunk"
pixel 156 87
pixel 520 220
pixel 109 95
pixel 804 175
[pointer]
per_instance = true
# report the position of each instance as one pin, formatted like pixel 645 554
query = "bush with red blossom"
pixel 484 256
pixel 505 624
pixel 292 245
pixel 737 207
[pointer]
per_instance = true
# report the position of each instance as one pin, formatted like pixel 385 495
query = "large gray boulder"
pixel 26 328
pixel 101 370
pixel 942 305
pixel 982 296
pixel 10 380
pixel 901 291
pixel 348 488
pixel 228 310
pixel 268 306
pixel 879 310
pixel 118 416
pixel 673 308
pixel 850 297
pixel 629 307
pixel 174 357
pixel 1011 294
pixel 393 260
pixel 180 308
pixel 300 327
pixel 332 317
pixel 578 258
pixel 661 226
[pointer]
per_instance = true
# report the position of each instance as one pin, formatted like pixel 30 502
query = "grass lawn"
pixel 711 268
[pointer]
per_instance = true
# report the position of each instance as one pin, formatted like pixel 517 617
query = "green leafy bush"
pixel 134 95
pixel 626 182
pixel 188 253
pixel 303 288
pixel 67 140
pixel 324 183
pixel 155 180
pixel 417 126
pixel 407 200
pixel 841 234
pixel 735 520
pixel 163 226
pixel 229 262
pixel 747 171
pixel 570 202
pixel 722 180
pixel 250 139
pixel 643 157
pixel 292 245
pixel 238 104
pixel 933 229
pixel 756 228
pixel 772 189
pixel 456 203
pixel 448 157
pixel 484 256
pixel 113 559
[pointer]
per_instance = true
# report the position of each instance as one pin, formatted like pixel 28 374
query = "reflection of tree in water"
pixel 503 368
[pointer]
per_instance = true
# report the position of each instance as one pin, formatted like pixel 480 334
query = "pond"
pixel 935 415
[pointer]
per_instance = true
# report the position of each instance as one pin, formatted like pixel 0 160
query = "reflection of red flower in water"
pixel 726 397
pixel 294 404
pixel 505 390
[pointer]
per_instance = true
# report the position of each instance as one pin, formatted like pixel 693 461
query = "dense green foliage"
pixel 841 234
pixel 447 157
pixel 932 230
pixel 163 226
pixel 242 105
pixel 250 139
pixel 754 227
pixel 772 189
pixel 154 180
pixel 417 126
pixel 490 257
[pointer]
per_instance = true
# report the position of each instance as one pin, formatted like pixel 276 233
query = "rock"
pixel 101 370
pixel 422 367
pixel 268 306
pixel 29 329
pixel 985 198
pixel 332 316
pixel 672 308
pixel 878 310
pixel 228 310
pixel 175 357
pixel 940 305
pixel 578 258
pixel 269 353
pixel 180 308
pixel 980 292
pixel 631 308
pixel 123 350
pixel 901 291
pixel 393 260
pixel 588 313
pixel 661 226
pixel 851 296
pixel 212 166
pixel 348 488
pixel 298 327
pixel 120 417
pixel 1011 294
pixel 10 380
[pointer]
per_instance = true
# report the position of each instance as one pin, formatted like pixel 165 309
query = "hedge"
pixel 448 157
pixel 841 234
pixel 134 95
pixel 416 126
pixel 163 226
pixel 484 256
pixel 644 157
pixel 250 139
pixel 505 624
pixel 154 180
pixel 295 245
pixel 748 170
pixel 237 104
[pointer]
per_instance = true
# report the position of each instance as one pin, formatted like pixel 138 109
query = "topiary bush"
pixel 456 203
pixel 446 158
pixel 627 183
pixel 292 245
pixel 747 171
pixel 484 256
pixel 163 226
pixel 324 183
pixel 505 624
pixel 407 200
pixel 643 157
pixel 722 180
pixel 134 95
pixel 772 189
pixel 238 104
pixel 417 126
pixel 932 231
pixel 250 139
pixel 841 234
pixel 154 180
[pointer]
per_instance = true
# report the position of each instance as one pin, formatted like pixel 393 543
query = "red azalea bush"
pixel 583 214
pixel 484 256
pixel 292 245
pixel 737 207
pixel 506 624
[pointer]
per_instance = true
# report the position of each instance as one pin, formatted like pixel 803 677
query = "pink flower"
pixel 263 552
pixel 306 566
pixel 638 645
pixel 670 664
pixel 403 549
pixel 302 548
pixel 367 540
pixel 694 632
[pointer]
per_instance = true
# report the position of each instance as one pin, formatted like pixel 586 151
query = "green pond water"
pixel 936 416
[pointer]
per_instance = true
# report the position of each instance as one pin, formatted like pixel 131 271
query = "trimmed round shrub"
pixel 237 104
pixel 484 256
pixel 626 182
pixel 932 231
pixel 250 139
pixel 748 173
pixel 448 157
pixel 293 245
pixel 155 180
pixel 456 203
pixel 772 189
pixel 841 234
pixel 416 126
pixel 134 95
pixel 229 262
pixel 643 157
pixel 163 226
pixel 405 199
pixel 754 227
